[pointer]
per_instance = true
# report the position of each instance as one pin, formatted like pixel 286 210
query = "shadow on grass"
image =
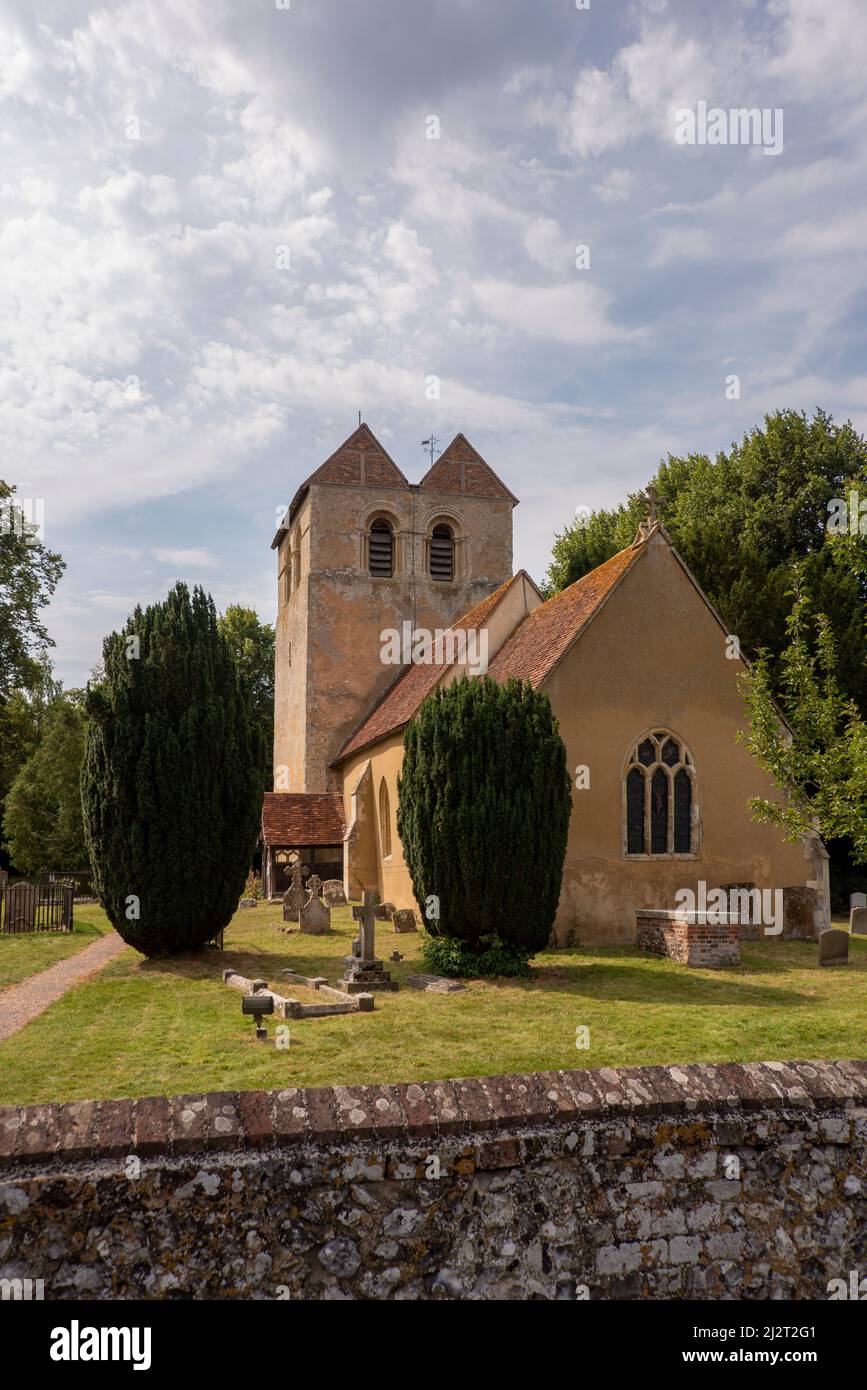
pixel 648 981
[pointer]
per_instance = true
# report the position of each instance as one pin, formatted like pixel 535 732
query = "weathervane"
pixel 432 446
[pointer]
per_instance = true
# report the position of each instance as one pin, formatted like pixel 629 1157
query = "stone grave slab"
pixel 383 911
pixel 434 984
pixel 799 906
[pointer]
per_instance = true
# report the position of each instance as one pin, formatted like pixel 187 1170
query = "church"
pixel 639 667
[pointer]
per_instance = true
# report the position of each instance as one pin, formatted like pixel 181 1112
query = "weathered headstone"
pixel 20 908
pixel 858 921
pixel 249 902
pixel 403 920
pixel 799 907
pixel 332 892
pixel 295 897
pixel 834 947
pixel 743 904
pixel 315 917
pixel 314 885
pixel 857 900
pixel 384 911
pixel 363 970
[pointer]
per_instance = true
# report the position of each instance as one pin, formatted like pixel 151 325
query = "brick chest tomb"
pixel 691 938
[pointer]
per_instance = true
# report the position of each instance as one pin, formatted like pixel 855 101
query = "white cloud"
pixel 570 313
pixel 193 558
pixel 682 244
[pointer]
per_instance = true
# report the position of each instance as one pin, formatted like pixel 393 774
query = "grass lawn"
pixel 25 953
pixel 141 1028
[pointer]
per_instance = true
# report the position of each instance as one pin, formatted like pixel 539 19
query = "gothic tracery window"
pixel 660 794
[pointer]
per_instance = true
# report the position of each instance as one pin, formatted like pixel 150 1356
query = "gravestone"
pixel 799 906
pixel 748 919
pixel 249 902
pixel 434 984
pixel 363 970
pixel 834 947
pixel 332 892
pixel 404 920
pixel 20 908
pixel 384 911
pixel 858 921
pixel 314 886
pixel 295 897
pixel 315 917
pixel 858 900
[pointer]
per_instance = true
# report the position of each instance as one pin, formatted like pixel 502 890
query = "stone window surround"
pixel 403 553
pixel 695 817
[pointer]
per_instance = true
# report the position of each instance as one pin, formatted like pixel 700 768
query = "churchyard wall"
pixel 662 1182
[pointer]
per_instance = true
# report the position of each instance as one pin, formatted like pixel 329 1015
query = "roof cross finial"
pixel 652 501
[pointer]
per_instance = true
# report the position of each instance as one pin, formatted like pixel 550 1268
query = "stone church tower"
pixel 360 550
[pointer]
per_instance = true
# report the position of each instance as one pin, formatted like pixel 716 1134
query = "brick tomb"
pixel 691 938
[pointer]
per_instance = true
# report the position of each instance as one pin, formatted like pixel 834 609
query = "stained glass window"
pixel 659 812
pixel 670 752
pixel 659 797
pixel 635 812
pixel 682 812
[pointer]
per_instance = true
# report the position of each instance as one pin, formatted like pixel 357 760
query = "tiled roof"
pixel 413 685
pixel 302 818
pixel 538 643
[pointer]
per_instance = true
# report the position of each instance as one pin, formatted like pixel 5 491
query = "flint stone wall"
pixel 619 1181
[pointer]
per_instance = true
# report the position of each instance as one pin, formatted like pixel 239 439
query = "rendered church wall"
pixel 654 657
pixel 732 1181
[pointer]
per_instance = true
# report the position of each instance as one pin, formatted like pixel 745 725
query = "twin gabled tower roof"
pixel 361 461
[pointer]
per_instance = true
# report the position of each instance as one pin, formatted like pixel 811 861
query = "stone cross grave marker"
pixel 834 947
pixel 314 884
pixel 363 971
pixel 294 898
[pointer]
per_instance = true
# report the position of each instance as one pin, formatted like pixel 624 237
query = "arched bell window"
pixel 661 797
pixel 380 549
pixel 384 820
pixel 442 552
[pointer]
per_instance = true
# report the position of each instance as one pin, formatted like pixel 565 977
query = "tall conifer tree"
pixel 171 781
pixel 483 814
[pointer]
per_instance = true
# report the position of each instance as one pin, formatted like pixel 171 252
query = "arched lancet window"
pixel 380 549
pixel 384 820
pixel 660 795
pixel 442 552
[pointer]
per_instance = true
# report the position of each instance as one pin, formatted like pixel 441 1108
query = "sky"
pixel 229 225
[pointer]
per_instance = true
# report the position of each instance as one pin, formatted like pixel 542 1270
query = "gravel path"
pixel 19 1003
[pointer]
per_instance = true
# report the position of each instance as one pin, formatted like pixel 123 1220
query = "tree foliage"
pixel 484 800
pixel 251 643
pixel 29 574
pixel 42 818
pixel 741 522
pixel 821 766
pixel 171 780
